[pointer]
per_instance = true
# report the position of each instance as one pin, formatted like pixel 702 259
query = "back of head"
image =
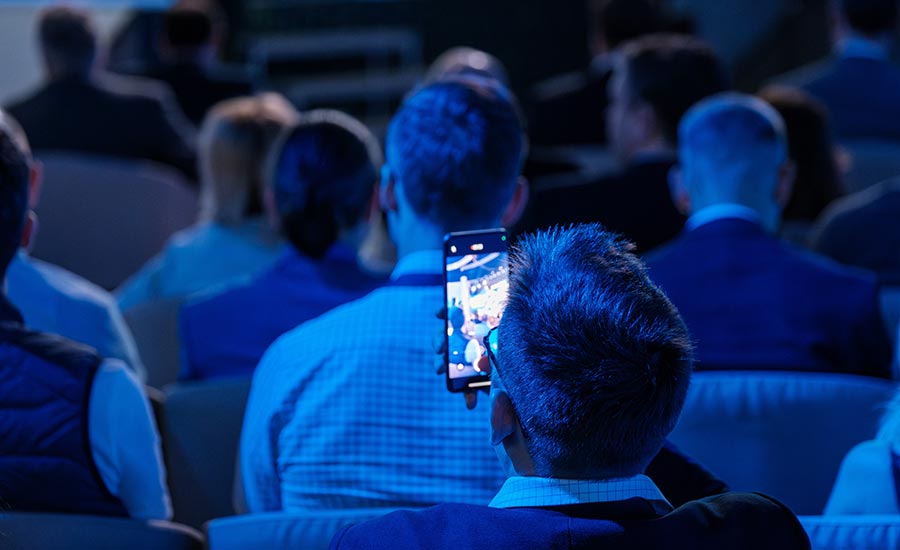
pixel 324 176
pixel 870 17
pixel 68 40
pixel 463 60
pixel 732 147
pixel 617 21
pixel 594 357
pixel 235 139
pixel 455 149
pixel 671 72
pixel 187 28
pixel 14 176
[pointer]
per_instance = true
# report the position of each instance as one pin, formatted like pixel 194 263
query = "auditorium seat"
pixel 201 432
pixel 777 432
pixel 103 218
pixel 852 532
pixel 871 162
pixel 312 530
pixel 30 531
pixel 155 328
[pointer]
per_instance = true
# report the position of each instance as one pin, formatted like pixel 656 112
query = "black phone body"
pixel 476 285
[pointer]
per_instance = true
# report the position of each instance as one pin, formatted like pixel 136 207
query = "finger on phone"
pixel 471 399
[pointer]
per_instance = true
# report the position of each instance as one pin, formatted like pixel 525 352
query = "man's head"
pixel 234 143
pixel 655 80
pixel 454 151
pixel 593 360
pixel 613 22
pixel 733 150
pixel 15 172
pixel 324 176
pixel 869 18
pixel 68 41
pixel 463 60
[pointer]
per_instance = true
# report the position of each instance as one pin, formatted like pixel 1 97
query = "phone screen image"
pixel 477 284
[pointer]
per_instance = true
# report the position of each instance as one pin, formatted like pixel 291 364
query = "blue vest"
pixel 46 462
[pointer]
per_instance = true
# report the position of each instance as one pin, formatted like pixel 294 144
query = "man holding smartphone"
pixel 591 366
pixel 345 412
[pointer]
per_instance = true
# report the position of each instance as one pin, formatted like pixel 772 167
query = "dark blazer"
pixel 197 89
pixel 862 95
pixel 634 202
pixel 752 301
pixel 863 229
pixel 734 521
pixel 108 115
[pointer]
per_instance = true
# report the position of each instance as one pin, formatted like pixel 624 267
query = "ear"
pixel 29 229
pixel 503 417
pixel 387 195
pixel 271 209
pixel 516 205
pixel 678 191
pixel 787 174
pixel 35 182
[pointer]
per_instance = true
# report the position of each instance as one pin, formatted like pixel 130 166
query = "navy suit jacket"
pixel 734 521
pixel 635 203
pixel 751 301
pixel 861 94
pixel 114 116
pixel 197 89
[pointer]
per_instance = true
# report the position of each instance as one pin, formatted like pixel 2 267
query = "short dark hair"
pixel 456 148
pixel 325 176
pixel 14 175
pixel 671 73
pixel 870 17
pixel 187 28
pixel 595 359
pixel 67 38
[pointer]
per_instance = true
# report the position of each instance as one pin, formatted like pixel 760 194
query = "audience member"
pixel 591 369
pixel 817 180
pixel 869 479
pixel 464 61
pixel 344 411
pixel 78 109
pixel 55 300
pixel 656 79
pixel 862 230
pixel 78 435
pixel 750 300
pixel 232 239
pixel 859 85
pixel 570 109
pixel 324 177
pixel 190 67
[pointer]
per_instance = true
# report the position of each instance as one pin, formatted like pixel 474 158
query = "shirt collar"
pixel 536 492
pixel 857 46
pixel 422 262
pixel 721 211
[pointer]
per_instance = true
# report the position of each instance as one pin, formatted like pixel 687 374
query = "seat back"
pixel 780 433
pixel 311 530
pixel 28 531
pixel 852 532
pixel 201 433
pixel 103 218
pixel 154 325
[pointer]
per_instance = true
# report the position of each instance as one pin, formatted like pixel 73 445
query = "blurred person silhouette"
pixel 656 79
pixel 189 63
pixel 750 300
pixel 78 108
pixel 591 368
pixel 78 435
pixel 868 481
pixel 55 300
pixel 858 84
pixel 811 148
pixel 322 181
pixel 232 238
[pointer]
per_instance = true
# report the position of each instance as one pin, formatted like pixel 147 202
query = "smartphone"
pixel 476 284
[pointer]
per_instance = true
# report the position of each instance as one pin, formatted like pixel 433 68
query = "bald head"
pixel 733 150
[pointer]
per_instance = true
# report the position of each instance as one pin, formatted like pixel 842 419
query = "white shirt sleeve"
pixel 126 443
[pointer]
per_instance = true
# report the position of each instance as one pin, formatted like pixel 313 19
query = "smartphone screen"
pixel 476 284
